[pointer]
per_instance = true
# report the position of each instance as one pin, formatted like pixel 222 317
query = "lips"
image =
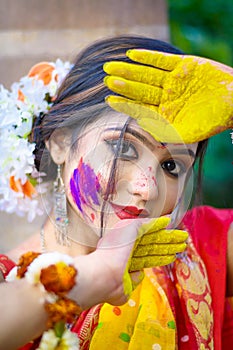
pixel 129 212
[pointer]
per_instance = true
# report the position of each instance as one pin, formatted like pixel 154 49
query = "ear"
pixel 58 145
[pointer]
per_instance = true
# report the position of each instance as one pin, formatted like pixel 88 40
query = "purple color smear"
pixel 84 185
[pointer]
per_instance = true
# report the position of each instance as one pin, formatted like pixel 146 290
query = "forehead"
pixel 114 122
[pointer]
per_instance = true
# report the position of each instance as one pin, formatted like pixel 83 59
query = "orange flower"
pixel 27 188
pixel 24 261
pixel 59 278
pixel 42 71
pixel 63 310
pixel 20 96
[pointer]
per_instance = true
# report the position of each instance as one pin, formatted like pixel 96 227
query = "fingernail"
pixel 112 81
pixel 182 235
pixel 105 67
pixel 118 82
pixel 128 53
pixel 131 52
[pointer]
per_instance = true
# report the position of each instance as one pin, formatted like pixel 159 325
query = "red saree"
pixel 208 227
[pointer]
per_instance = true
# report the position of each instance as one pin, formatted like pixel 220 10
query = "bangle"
pixel 56 275
pixel 5 265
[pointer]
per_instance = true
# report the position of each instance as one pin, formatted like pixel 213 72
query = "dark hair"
pixel 80 99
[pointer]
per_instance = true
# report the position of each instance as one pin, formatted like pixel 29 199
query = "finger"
pixel 155 224
pixel 130 107
pixel 147 117
pixel 139 263
pixel 157 59
pixel 134 90
pixel 163 237
pixel 156 125
pixel 135 72
pixel 158 249
pixel 152 227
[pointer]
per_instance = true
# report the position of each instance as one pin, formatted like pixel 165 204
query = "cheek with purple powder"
pixel 85 188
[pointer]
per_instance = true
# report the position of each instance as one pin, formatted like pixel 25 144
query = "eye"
pixel 173 167
pixel 125 151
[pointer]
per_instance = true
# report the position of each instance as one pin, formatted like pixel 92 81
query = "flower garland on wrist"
pixel 56 275
pixel 28 99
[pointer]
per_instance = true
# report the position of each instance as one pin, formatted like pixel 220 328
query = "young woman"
pixel 113 169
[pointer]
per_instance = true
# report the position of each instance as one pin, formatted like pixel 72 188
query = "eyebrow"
pixel 136 134
pixel 187 151
pixel 150 145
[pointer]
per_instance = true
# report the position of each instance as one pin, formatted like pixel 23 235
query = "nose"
pixel 144 184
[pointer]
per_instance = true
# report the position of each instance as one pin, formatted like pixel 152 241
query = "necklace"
pixel 42 240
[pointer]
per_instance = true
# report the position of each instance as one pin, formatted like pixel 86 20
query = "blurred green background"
pixel 205 28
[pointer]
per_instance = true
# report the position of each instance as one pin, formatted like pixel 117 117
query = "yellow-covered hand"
pixel 173 97
pixel 157 245
pixel 131 246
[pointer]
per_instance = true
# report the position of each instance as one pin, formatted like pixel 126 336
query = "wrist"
pixel 96 283
pixel 88 290
pixel 53 274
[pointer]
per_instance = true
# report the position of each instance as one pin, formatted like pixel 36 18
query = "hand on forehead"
pixel 173 97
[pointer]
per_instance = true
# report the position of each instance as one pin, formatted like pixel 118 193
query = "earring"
pixel 61 219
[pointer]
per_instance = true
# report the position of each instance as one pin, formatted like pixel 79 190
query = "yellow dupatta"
pixel 144 322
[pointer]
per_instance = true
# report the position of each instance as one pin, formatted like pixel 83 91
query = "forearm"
pixel 22 313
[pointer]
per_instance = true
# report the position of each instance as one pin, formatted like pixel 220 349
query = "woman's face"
pixel 149 176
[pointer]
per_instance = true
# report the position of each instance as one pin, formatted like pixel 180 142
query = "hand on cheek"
pixel 131 246
pixel 157 245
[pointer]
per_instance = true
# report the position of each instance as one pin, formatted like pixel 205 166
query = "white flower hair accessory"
pixel 28 99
